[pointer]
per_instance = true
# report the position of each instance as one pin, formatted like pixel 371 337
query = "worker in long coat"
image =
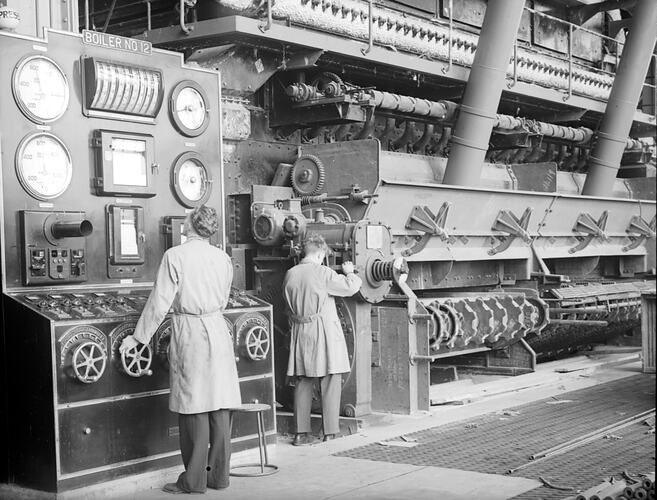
pixel 194 281
pixel 317 344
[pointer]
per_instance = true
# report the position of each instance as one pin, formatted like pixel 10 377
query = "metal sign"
pixel 116 42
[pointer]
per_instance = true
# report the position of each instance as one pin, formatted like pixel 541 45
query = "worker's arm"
pixel 343 285
pixel 157 306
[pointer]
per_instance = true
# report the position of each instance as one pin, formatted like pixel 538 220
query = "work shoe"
pixel 303 439
pixel 173 488
pixel 329 437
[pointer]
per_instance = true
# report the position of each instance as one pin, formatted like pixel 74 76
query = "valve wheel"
pixel 308 175
pixel 257 343
pixel 88 362
pixel 137 361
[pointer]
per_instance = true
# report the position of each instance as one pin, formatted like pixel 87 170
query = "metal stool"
pixel 266 468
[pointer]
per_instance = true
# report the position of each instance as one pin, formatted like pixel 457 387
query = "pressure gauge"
pixel 40 89
pixel 191 180
pixel 43 165
pixel 189 109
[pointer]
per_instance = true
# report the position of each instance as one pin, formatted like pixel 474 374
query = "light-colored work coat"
pixel 194 280
pixel 317 344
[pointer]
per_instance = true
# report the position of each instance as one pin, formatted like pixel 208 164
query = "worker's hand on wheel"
pixel 348 267
pixel 128 343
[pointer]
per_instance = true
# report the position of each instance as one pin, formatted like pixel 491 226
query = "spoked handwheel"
pixel 137 361
pixel 257 343
pixel 88 362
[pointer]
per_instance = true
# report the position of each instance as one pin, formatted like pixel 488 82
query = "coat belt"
pixel 198 315
pixel 296 318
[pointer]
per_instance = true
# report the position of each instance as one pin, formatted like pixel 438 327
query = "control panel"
pixel 107 145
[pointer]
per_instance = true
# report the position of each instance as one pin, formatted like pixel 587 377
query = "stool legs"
pixel 262 441
pixel 265 467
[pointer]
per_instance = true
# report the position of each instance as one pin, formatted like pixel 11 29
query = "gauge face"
pixel 40 89
pixel 44 166
pixel 191 180
pixel 189 110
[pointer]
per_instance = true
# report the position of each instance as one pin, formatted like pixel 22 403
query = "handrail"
pixel 451 33
pixel 270 19
pixel 370 26
pixel 148 15
pixel 570 62
pixel 515 66
pixel 186 29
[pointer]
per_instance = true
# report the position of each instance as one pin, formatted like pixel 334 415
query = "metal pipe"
pixel 604 429
pixel 587 438
pixel 433 357
pixel 86 14
pixel 72 229
pixel 482 92
pixel 605 158
pixel 587 322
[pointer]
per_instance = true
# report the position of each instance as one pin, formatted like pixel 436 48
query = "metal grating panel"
pixel 496 442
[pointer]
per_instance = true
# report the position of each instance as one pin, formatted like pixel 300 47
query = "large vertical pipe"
pixel 482 92
pixel 605 158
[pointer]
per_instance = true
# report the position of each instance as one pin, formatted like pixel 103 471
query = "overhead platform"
pixel 293 45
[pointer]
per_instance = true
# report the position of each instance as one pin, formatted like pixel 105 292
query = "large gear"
pixel 308 175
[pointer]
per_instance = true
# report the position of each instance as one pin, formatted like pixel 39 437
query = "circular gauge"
pixel 40 89
pixel 189 109
pixel 191 180
pixel 43 165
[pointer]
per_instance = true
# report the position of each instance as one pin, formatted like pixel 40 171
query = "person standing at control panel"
pixel 194 280
pixel 317 345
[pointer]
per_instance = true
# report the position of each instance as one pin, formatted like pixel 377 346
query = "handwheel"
pixel 88 362
pixel 257 343
pixel 136 362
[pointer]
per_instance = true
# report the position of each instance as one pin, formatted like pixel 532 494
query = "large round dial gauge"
pixel 43 165
pixel 191 180
pixel 40 88
pixel 189 109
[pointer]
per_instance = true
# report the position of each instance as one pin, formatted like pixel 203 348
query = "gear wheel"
pixel 307 175
pixel 324 78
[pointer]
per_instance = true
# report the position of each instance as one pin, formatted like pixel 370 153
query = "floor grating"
pixel 496 442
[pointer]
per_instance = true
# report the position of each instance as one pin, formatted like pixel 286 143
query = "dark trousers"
pixel 331 389
pixel 205 469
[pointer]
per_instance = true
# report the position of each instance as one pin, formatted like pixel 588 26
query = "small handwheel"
pixel 136 362
pixel 257 343
pixel 88 362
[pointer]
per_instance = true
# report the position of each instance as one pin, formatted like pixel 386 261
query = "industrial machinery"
pixel 106 144
pixel 489 166
pixel 461 153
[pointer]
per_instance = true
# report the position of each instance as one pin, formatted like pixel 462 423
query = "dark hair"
pixel 204 221
pixel 314 242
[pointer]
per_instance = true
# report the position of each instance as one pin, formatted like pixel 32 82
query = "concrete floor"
pixel 311 473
